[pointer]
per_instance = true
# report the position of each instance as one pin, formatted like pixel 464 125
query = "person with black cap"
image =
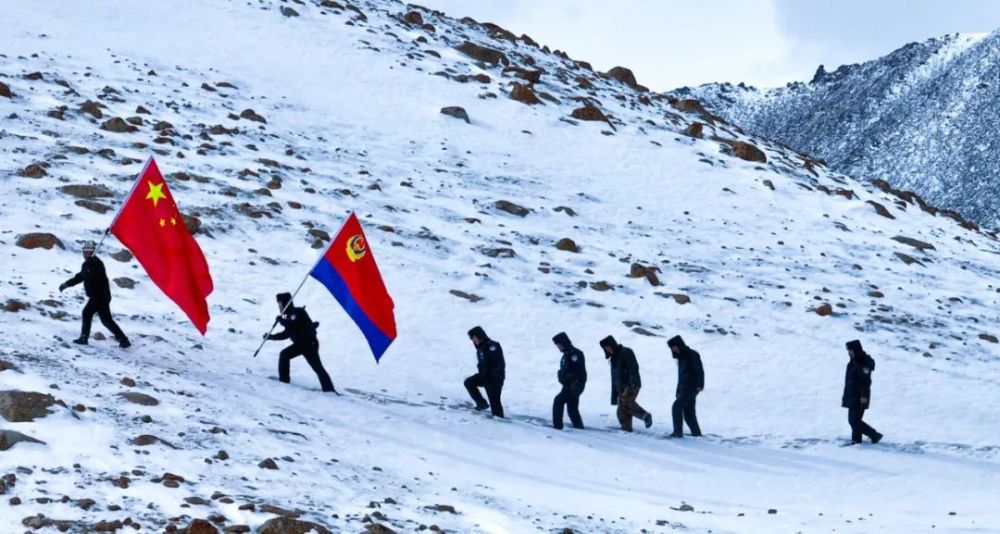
pixel 690 382
pixel 95 285
pixel 625 383
pixel 572 376
pixel 301 329
pixel 858 392
pixel 491 373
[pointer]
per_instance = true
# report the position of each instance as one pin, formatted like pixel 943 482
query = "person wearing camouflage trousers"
pixel 625 383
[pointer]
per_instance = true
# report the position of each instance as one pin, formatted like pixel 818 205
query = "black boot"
pixel 124 343
pixel 80 341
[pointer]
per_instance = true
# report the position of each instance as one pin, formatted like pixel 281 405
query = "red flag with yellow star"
pixel 151 227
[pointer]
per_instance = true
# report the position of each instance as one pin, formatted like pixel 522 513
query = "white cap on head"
pixel 89 246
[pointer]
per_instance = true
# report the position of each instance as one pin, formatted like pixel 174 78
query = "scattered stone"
pixel 681 298
pixel 769 184
pixel 200 526
pixel 128 382
pixel 772 511
pixel 252 115
pixel 118 125
pixel 639 270
pixel 601 286
pixel 747 151
pixel 289 12
pixel 695 129
pixel 589 112
pixel 510 207
pixel 564 209
pixel 824 310
pixel 5 91
pixel 85 504
pixel 915 243
pixel 93 109
pixel 35 170
pixel 144 440
pixel 9 438
pixel 444 508
pixel 14 306
pixel 482 53
pixel 457 112
pixel 567 244
pixel 686 508
pixel 122 255
pixel 524 93
pixel 414 17
pixel 288 525
pixel 269 463
pixel 880 209
pixel 24 406
pixel 39 240
pixel 125 282
pixel 907 259
pixel 500 252
pixel 139 398
pixel 467 296
pixel 989 337
pixel 86 191
pixel 108 526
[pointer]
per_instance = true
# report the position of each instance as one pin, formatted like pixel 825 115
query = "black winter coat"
pixel 95 280
pixel 858 382
pixel 690 373
pixel 492 366
pixel 624 371
pixel 573 370
pixel 298 326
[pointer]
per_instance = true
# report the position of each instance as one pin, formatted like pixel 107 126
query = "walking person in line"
pixel 690 382
pixel 625 383
pixel 98 291
pixel 572 376
pixel 490 375
pixel 858 392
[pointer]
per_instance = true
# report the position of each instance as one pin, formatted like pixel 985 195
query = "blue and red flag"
pixel 348 270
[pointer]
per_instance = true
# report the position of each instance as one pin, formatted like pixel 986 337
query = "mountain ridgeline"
pixel 921 118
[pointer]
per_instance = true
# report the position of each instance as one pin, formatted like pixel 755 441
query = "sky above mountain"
pixel 670 43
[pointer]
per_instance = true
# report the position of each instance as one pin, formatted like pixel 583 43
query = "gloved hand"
pixel 267 336
pixel 62 286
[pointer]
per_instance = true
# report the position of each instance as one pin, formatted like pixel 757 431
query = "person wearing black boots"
pixel 572 376
pixel 490 375
pixel 98 291
pixel 690 382
pixel 858 392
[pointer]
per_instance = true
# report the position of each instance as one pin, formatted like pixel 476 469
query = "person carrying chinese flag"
pixel 151 227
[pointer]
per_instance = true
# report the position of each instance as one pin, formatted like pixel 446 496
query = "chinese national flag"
pixel 150 225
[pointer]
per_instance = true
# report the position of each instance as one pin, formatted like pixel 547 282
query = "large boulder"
pixel 24 406
pixel 9 438
pixel 483 53
pixel 511 208
pixel 589 112
pixel 523 92
pixel 5 91
pixel 139 398
pixel 747 151
pixel 288 525
pixel 625 76
pixel 118 125
pixel 35 170
pixel 200 526
pixel 456 111
pixel 86 191
pixel 39 240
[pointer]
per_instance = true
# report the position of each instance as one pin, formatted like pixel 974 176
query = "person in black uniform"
pixel 95 285
pixel 858 392
pixel 491 372
pixel 690 382
pixel 301 329
pixel 573 378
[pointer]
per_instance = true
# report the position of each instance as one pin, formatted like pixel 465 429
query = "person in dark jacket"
pixel 95 285
pixel 491 367
pixel 301 329
pixel 858 392
pixel 572 376
pixel 690 382
pixel 625 383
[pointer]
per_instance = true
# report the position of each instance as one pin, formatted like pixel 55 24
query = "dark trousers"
pixel 103 311
pixel 684 410
pixel 568 399
pixel 859 427
pixel 311 352
pixel 493 390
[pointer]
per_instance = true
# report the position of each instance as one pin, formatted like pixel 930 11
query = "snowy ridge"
pixel 920 118
pixel 746 252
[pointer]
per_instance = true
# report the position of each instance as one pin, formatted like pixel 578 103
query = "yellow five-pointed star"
pixel 173 221
pixel 155 193
pixel 163 223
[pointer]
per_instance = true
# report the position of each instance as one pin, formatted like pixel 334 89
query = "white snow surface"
pixel 351 102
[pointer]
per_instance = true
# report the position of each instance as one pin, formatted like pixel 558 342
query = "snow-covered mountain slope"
pixel 922 118
pixel 746 252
